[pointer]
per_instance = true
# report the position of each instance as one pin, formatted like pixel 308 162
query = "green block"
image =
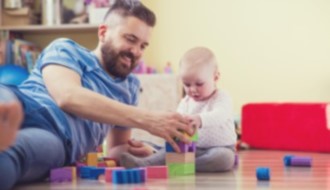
pixel 194 138
pixel 180 169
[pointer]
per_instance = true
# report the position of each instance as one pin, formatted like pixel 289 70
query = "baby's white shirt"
pixel 216 115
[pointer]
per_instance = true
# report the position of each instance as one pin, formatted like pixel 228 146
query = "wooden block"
pixel 194 138
pixel 192 147
pixel 157 172
pixel 92 159
pixel 111 163
pixel 129 176
pixel 181 169
pixel 182 146
pixel 180 158
pixel 108 173
pixel 65 174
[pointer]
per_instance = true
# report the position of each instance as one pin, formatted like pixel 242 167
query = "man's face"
pixel 124 46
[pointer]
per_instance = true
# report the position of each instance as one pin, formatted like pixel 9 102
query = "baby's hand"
pixel 195 121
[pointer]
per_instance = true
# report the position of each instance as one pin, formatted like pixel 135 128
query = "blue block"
pixel 287 160
pixel 96 172
pixel 263 173
pixel 85 171
pixel 119 177
pixel 169 147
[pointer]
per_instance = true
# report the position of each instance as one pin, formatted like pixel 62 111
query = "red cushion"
pixel 286 126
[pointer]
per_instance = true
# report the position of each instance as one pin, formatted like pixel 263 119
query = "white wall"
pixel 269 50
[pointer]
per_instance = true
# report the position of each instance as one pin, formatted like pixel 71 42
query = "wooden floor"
pixel 242 177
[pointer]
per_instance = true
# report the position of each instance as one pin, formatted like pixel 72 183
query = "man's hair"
pixel 133 8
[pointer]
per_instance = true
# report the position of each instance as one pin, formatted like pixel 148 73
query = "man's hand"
pixel 170 126
pixel 11 117
pixel 139 149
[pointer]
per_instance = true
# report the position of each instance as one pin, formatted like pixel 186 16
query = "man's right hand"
pixel 11 116
pixel 169 126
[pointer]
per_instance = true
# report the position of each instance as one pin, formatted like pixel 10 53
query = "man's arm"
pixel 65 87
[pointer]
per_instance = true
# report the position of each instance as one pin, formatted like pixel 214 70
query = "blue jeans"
pixel 35 152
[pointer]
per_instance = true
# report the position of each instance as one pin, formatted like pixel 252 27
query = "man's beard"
pixel 112 64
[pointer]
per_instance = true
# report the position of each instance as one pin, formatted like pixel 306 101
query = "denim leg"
pixel 30 159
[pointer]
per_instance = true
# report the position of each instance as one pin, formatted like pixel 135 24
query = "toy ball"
pixel 12 74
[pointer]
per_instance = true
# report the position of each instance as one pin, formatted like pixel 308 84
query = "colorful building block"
pixel 263 174
pixel 182 146
pixel 157 172
pixel 299 161
pixel 92 159
pixel 65 174
pixel 90 172
pixel 194 138
pixel 129 176
pixel 111 163
pixel 180 158
pixel 108 173
pixel 180 169
pixel 114 161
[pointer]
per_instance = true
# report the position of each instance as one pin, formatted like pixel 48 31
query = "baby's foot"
pixel 127 160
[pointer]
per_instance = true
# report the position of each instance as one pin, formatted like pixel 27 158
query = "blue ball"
pixel 263 174
pixel 12 74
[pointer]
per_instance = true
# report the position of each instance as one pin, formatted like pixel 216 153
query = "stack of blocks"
pixel 183 163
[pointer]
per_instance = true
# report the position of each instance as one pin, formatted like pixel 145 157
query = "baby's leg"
pixel 216 159
pixel 130 161
pixel 34 153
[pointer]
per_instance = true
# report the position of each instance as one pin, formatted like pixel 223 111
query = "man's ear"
pixel 102 33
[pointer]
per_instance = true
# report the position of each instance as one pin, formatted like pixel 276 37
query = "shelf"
pixel 54 28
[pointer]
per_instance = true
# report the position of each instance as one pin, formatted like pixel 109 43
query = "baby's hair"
pixel 199 56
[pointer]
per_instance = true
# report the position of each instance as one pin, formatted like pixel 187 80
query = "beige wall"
pixel 269 50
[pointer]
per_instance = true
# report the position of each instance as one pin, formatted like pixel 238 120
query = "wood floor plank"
pixel 242 177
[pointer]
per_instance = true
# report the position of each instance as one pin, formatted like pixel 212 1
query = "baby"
pixel 210 111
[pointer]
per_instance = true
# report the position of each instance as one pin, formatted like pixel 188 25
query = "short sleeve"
pixel 61 52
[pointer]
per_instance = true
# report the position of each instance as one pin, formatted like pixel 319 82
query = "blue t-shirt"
pixel 80 135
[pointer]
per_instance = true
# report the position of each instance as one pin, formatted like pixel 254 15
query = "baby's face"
pixel 199 83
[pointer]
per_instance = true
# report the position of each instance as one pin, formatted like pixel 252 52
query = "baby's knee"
pixel 216 161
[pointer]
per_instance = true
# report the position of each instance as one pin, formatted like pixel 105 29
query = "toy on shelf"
pixel 142 68
pixel 168 68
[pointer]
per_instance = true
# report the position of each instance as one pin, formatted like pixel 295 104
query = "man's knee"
pixel 9 172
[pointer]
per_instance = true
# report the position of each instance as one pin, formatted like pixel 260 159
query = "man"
pixel 74 98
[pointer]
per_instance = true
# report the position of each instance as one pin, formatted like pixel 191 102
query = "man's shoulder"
pixel 133 79
pixel 64 43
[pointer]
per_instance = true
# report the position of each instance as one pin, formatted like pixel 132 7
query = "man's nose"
pixel 136 51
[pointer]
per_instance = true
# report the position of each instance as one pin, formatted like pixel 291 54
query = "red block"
pixel 157 172
pixel 287 126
